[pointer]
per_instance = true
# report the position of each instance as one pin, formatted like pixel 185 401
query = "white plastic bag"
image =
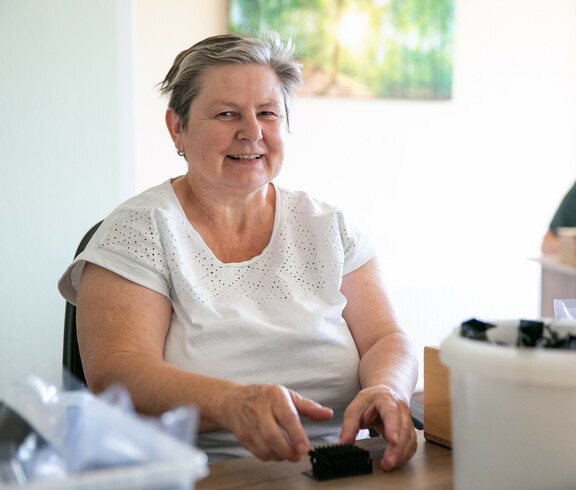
pixel 76 433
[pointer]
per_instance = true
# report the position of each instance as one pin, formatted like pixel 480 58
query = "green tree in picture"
pixel 362 48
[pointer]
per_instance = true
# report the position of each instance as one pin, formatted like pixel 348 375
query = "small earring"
pixel 180 153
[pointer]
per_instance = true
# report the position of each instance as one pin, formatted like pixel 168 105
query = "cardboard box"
pixel 437 413
pixel 567 245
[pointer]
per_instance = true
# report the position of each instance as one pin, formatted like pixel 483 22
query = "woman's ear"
pixel 174 127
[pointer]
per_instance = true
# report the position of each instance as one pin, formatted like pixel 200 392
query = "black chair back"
pixel 71 354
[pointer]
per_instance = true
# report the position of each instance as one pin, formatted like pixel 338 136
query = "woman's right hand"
pixel 265 420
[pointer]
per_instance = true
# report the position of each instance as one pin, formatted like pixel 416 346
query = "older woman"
pixel 262 306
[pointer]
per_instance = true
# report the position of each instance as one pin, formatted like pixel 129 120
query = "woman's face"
pixel 236 130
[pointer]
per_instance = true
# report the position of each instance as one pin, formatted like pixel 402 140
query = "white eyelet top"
pixel 276 318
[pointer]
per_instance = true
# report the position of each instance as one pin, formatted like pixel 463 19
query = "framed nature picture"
pixel 361 48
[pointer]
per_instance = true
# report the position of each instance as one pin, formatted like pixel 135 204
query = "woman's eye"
pixel 235 115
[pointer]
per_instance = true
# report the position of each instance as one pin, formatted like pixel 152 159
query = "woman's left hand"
pixel 382 409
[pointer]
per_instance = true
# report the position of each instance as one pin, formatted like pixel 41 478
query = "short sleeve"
pixel 358 246
pixel 129 243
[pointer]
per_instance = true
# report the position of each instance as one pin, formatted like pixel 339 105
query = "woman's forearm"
pixel 156 387
pixel 390 361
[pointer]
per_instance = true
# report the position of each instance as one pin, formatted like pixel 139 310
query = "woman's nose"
pixel 250 128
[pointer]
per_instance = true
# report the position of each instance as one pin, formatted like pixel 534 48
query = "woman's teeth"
pixel 244 157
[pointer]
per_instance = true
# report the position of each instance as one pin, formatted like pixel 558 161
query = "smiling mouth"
pixel 245 157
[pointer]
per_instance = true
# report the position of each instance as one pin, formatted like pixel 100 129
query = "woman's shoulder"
pixel 300 208
pixel 148 213
pixel 325 223
pixel 304 201
pixel 157 199
pixel 160 196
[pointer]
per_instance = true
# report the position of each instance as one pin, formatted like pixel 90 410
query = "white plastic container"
pixel 513 411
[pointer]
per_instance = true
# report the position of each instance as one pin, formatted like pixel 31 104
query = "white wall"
pixel 164 29
pixel 63 117
pixel 457 193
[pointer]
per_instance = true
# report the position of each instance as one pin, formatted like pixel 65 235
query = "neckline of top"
pixel 246 263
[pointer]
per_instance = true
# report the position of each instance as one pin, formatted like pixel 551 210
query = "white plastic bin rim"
pixel 552 367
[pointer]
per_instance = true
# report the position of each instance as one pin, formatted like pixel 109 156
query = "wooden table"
pixel 430 468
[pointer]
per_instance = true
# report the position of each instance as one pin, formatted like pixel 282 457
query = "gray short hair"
pixel 183 82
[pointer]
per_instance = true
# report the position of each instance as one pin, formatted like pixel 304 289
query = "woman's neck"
pixel 236 227
pixel 231 209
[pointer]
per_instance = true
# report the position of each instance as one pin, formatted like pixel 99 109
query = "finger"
pixel 284 433
pixel 255 421
pixel 349 430
pixel 310 409
pixel 274 443
pixel 270 440
pixel 397 455
pixel 291 424
pixel 288 420
pixel 400 451
pixel 350 424
pixel 392 421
